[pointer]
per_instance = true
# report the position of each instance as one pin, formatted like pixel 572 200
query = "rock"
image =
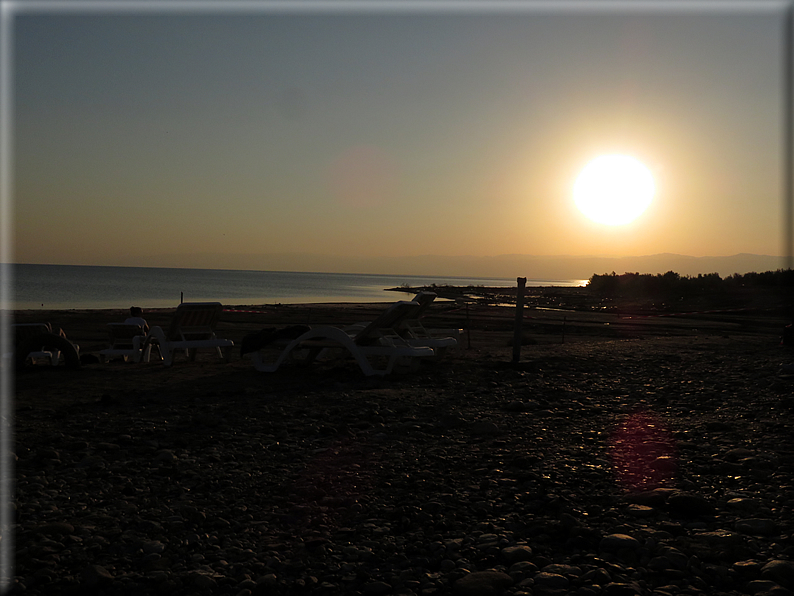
pixel 486 540
pixel 640 511
pixel 622 589
pixel 523 568
pixel 613 542
pixel 516 406
pixel 665 465
pixel 765 586
pixel 202 582
pixel 727 468
pixel 165 456
pixel 720 538
pixel 598 577
pixel 551 581
pixel 651 498
pixel 781 572
pixel 749 567
pixel 484 427
pixel 56 529
pixel 415 504
pixel 660 564
pixel 153 546
pixel 482 583
pixel 96 575
pixel 757 527
pixel 49 454
pixel 689 505
pixel 377 589
pixel 745 505
pixel 92 461
pixel 737 454
pixel 514 554
pixel 678 559
pixel 562 569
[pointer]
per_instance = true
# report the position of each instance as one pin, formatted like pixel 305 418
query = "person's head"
pixel 136 311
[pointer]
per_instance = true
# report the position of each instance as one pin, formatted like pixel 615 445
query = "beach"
pixel 617 456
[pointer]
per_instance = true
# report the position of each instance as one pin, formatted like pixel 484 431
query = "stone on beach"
pixel 781 572
pixel 214 479
pixel 482 583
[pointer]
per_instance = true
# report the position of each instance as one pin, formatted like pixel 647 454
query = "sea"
pixel 98 287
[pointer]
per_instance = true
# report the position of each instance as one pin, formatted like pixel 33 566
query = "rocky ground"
pixel 624 457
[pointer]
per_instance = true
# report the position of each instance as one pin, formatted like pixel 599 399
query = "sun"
pixel 614 189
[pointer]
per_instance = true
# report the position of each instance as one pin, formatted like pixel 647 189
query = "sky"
pixel 266 136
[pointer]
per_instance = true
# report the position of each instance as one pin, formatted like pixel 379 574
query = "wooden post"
pixel 788 143
pixel 468 328
pixel 181 297
pixel 522 282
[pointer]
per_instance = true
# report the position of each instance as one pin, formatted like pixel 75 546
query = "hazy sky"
pixel 455 130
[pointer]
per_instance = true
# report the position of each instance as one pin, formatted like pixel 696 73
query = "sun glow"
pixel 614 189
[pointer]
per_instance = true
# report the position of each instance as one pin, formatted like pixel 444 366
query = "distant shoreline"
pixel 504 266
pixel 59 287
pixel 583 298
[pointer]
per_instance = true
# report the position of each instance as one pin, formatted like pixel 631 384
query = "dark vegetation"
pixel 770 290
pixel 671 284
pixel 635 293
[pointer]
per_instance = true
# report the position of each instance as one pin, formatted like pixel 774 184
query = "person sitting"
pixel 136 318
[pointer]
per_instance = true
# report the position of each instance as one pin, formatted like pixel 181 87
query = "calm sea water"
pixel 79 286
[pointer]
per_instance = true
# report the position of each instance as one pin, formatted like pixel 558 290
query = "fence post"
pixel 522 282
pixel 468 327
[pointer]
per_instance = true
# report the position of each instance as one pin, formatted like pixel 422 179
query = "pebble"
pixel 514 554
pixel 482 583
pixel 689 505
pixel 744 504
pixel 640 511
pixel 551 581
pixel 780 571
pixel 720 538
pixel 390 488
pixel 96 575
pixel 523 568
pixel 618 541
pixel 56 529
pixel 377 589
pixel 622 589
pixel 562 569
pixel 757 527
pixel 484 427
pixel 758 586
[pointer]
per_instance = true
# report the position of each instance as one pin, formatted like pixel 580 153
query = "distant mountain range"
pixel 560 267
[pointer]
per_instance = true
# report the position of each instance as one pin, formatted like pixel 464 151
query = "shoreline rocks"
pixel 215 479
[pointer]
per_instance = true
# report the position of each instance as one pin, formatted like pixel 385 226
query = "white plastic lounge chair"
pixel 412 329
pixel 126 340
pixel 23 332
pixel 375 340
pixel 414 333
pixel 35 342
pixel 192 328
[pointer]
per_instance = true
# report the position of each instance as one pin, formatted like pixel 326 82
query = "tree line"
pixel 672 284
